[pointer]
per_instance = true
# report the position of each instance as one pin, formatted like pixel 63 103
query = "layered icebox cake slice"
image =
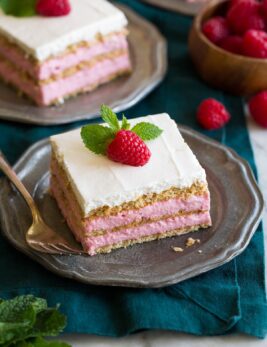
pixel 109 205
pixel 50 59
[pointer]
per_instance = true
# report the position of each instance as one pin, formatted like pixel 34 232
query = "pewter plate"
pixel 149 59
pixel 236 203
pixel 181 6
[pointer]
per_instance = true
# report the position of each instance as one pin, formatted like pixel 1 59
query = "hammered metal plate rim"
pixel 180 6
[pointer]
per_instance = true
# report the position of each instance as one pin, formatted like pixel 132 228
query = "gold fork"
pixel 39 236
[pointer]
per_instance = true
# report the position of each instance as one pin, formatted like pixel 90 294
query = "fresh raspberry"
pixel 232 3
pixel 255 44
pixel 216 29
pixel 53 8
pixel 258 108
pixel 264 9
pixel 245 15
pixel 233 44
pixel 211 114
pixel 128 148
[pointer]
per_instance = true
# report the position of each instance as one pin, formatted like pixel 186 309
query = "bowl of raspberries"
pixel 228 45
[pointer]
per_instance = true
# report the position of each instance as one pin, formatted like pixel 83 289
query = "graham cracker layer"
pixel 127 243
pixel 83 65
pixel 197 188
pixel 99 38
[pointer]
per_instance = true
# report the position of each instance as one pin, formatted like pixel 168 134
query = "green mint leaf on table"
pixel 96 137
pixel 147 131
pixel 18 8
pixel 124 124
pixel 110 118
pixel 26 319
pixel 17 316
pixel 49 322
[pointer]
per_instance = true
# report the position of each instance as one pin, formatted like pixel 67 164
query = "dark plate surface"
pixel 236 209
pixel 181 6
pixel 149 59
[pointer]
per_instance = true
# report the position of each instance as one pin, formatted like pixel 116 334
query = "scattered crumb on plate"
pixel 199 251
pixel 177 249
pixel 190 241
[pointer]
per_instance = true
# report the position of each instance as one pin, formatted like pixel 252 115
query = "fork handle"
pixel 10 173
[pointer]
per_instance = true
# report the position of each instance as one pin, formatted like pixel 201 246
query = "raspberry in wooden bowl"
pixel 236 73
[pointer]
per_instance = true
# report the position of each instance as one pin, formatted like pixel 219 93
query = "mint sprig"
pixel 125 124
pixel 147 131
pixel 97 137
pixel 110 118
pixel 25 320
pixel 19 8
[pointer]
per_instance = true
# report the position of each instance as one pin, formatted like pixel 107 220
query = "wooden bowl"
pixel 230 72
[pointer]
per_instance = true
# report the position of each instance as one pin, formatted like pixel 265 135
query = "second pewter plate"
pixel 236 207
pixel 182 6
pixel 149 58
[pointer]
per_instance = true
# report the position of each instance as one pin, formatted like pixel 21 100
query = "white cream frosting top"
pixel 42 37
pixel 98 181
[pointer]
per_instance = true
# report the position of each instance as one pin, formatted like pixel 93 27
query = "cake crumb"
pixel 177 249
pixel 190 241
pixel 199 251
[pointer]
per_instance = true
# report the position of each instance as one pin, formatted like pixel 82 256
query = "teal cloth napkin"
pixel 228 299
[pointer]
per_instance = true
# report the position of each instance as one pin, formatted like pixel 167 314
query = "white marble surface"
pixel 161 338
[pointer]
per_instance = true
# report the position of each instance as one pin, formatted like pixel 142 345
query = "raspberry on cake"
pixel 109 204
pixel 52 58
pixel 53 8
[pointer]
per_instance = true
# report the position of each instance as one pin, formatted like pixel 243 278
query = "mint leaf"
pixel 16 318
pixel 124 124
pixel 147 131
pixel 26 317
pixel 18 8
pixel 96 137
pixel 110 118
pixel 49 323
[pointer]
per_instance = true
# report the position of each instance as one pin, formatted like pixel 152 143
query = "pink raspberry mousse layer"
pixel 85 79
pixel 152 211
pixel 84 228
pixel 156 210
pixel 56 65
pixel 91 244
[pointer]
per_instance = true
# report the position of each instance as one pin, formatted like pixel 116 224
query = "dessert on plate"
pixel 117 187
pixel 52 58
